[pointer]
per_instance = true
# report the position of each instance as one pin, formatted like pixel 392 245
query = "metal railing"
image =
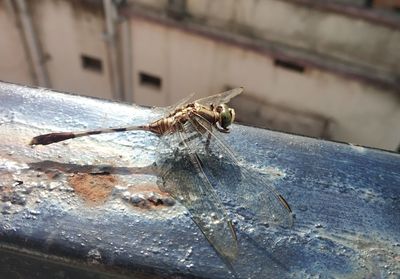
pixel 87 207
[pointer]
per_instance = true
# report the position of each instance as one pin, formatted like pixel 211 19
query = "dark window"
pixel 177 9
pixel 150 80
pixel 289 65
pixel 369 3
pixel 91 63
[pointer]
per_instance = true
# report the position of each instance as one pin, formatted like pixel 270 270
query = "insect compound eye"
pixel 226 118
pixel 232 113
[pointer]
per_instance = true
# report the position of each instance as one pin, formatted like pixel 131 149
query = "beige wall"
pixel 359 113
pixel 313 102
pixel 65 33
pixel 340 36
pixel 153 4
pixel 14 63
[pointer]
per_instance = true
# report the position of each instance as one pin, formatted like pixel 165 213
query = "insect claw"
pixel 222 130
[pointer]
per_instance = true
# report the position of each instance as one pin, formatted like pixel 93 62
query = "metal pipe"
pixel 33 45
pixel 91 203
pixel 111 16
pixel 126 41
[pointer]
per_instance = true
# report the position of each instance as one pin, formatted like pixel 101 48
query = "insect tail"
pixel 57 137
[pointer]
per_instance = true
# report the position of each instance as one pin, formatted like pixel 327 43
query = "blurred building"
pixel 327 69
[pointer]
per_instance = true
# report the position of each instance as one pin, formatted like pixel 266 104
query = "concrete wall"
pixel 388 4
pixel 169 63
pixel 160 5
pixel 14 66
pixel 187 63
pixel 66 31
pixel 332 34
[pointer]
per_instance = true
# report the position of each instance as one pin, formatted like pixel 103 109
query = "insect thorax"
pixel 170 124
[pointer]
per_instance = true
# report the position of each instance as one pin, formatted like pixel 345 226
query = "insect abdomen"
pixel 161 126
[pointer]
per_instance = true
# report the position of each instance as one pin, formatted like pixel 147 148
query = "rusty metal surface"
pixel 94 202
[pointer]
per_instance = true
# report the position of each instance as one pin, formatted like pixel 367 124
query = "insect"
pixel 194 170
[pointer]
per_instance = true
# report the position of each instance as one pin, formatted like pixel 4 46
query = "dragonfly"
pixel 202 161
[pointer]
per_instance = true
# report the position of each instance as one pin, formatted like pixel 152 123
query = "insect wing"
pixel 185 180
pixel 250 189
pixel 221 98
pixel 180 103
pixel 160 112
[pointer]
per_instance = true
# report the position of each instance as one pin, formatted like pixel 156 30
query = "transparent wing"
pixel 164 111
pixel 248 188
pixel 180 103
pixel 186 181
pixel 221 98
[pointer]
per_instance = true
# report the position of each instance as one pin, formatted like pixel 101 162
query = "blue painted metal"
pixel 87 204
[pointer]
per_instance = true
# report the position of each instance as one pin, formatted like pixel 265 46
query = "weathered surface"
pixel 93 203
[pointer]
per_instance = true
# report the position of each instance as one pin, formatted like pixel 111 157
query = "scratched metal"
pixel 94 202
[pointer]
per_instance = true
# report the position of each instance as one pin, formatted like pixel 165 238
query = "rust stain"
pixel 5 190
pixel 52 174
pixel 7 181
pixel 93 189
